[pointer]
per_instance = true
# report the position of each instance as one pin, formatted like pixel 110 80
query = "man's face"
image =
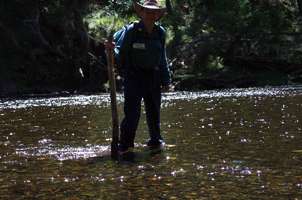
pixel 149 15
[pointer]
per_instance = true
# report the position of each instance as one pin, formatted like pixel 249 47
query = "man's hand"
pixel 109 45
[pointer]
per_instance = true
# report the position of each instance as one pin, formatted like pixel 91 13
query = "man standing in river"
pixel 141 52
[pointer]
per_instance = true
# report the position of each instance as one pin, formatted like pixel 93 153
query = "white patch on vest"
pixel 138 46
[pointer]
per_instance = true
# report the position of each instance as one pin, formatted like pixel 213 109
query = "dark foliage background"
pixel 56 46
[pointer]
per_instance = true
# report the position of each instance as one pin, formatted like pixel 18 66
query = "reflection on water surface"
pixel 234 144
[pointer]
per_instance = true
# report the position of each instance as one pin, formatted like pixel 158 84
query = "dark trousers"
pixel 136 88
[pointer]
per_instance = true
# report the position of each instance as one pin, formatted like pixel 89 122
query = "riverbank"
pixel 241 74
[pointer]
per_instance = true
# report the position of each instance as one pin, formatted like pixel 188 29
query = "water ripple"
pixel 104 99
pixel 64 153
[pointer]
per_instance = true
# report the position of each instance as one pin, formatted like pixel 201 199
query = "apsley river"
pixel 224 144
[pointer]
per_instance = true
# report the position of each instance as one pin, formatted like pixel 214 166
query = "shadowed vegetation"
pixel 55 46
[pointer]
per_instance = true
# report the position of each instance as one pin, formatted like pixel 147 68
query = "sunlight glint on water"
pixel 232 144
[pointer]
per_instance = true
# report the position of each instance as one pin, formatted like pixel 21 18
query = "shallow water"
pixel 232 144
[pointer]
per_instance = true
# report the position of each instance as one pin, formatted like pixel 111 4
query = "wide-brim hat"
pixel 151 5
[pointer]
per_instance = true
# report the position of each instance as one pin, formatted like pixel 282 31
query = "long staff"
pixel 112 85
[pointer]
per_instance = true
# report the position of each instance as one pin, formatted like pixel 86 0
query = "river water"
pixel 226 144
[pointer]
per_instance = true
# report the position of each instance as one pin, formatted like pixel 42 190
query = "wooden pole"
pixel 112 85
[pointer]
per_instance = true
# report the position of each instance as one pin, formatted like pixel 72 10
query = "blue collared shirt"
pixel 138 50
